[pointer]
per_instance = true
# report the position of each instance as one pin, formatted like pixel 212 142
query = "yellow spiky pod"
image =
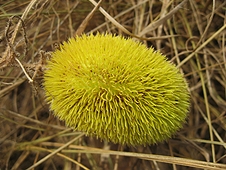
pixel 116 89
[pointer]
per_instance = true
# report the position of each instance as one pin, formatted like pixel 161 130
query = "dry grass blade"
pixel 158 158
pixel 110 18
pixel 84 23
pixel 54 152
pixel 11 87
pixel 6 55
pixel 152 26
pixel 202 45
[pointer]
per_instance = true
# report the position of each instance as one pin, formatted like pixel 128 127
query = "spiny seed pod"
pixel 116 89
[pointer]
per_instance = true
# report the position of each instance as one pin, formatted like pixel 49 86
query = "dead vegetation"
pixel 191 33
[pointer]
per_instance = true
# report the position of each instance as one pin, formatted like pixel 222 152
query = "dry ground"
pixel 191 35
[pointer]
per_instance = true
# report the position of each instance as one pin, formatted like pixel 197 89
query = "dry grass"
pixel 192 35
